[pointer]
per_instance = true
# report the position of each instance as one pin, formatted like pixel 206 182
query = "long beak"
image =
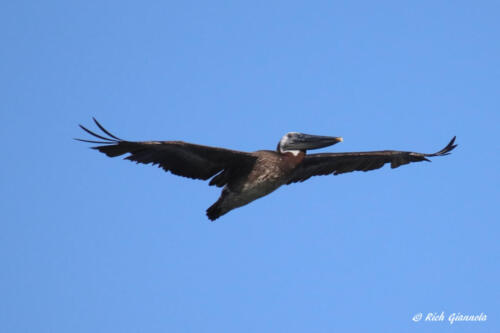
pixel 306 141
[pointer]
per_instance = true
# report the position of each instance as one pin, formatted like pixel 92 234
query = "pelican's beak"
pixel 305 141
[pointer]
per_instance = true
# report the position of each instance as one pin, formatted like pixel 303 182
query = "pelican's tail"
pixel 215 211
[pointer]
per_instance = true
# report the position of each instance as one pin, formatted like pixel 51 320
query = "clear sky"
pixel 92 244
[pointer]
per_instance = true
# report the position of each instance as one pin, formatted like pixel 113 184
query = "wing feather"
pixel 180 158
pixel 338 163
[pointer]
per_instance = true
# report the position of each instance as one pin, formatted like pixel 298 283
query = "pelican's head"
pixel 295 142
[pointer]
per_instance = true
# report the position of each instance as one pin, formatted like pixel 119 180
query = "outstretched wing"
pixel 337 163
pixel 180 158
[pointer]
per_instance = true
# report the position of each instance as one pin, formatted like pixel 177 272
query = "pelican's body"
pixel 270 171
pixel 246 177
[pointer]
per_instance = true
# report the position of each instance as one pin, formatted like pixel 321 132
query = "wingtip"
pixel 449 147
pixel 111 139
pixel 452 144
pixel 446 150
pixel 105 130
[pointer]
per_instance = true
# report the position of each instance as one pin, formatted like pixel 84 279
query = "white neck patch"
pixel 294 152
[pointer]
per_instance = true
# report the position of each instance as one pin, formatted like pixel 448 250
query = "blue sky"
pixel 91 244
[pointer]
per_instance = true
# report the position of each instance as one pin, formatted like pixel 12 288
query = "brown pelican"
pixel 249 176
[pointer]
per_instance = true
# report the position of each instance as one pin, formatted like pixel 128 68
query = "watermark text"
pixel 450 318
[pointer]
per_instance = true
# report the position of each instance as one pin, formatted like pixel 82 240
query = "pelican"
pixel 247 176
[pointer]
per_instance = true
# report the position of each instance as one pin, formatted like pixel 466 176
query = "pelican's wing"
pixel 180 158
pixel 337 163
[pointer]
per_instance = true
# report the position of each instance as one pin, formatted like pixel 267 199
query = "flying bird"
pixel 247 176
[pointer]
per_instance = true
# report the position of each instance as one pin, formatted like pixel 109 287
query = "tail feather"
pixel 215 211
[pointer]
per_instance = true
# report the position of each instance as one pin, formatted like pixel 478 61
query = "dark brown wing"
pixel 180 158
pixel 337 163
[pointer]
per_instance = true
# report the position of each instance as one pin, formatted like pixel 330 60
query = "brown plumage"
pixel 337 163
pixel 249 176
pixel 180 158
